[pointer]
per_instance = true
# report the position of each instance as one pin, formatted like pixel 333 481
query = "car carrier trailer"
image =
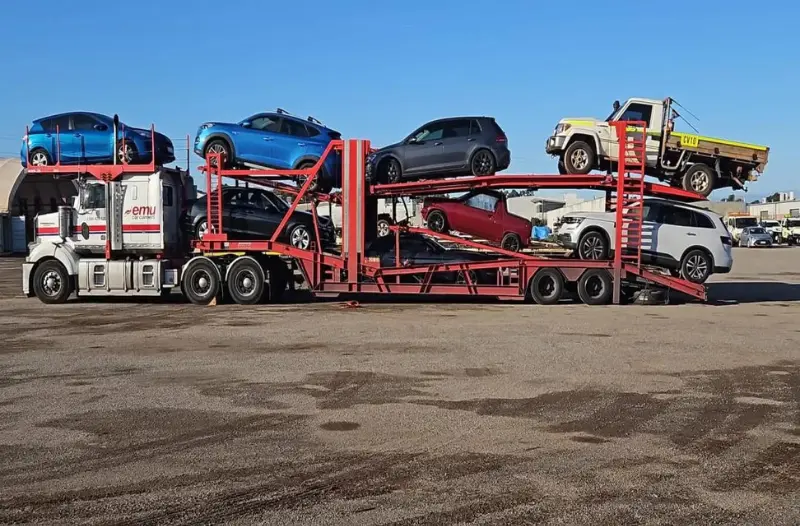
pixel 250 271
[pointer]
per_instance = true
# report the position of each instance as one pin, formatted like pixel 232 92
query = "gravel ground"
pixel 491 414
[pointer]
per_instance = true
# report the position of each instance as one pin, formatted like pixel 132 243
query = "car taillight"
pixel 726 240
pixel 501 138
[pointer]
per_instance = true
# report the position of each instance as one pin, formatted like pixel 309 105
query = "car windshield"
pixel 279 203
pixel 757 231
pixel 744 222
pixel 435 245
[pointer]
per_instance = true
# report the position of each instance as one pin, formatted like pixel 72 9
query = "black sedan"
pixel 254 213
pixel 416 250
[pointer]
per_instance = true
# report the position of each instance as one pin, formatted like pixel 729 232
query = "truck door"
pixel 640 111
pixel 90 223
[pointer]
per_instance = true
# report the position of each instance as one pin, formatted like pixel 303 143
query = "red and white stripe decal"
pixel 101 229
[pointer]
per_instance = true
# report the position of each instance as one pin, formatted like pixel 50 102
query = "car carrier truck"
pixel 694 162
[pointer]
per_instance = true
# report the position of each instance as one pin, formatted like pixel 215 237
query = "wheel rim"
pixel 202 229
pixel 482 163
pixel 300 238
pixel 51 284
pixel 383 228
pixel 245 283
pixel 546 287
pixel 39 159
pixel 699 181
pixel 512 244
pixel 696 267
pixel 124 153
pixel 592 247
pixel 392 171
pixel 218 149
pixel 579 159
pixel 436 222
pixel 595 287
pixel 201 282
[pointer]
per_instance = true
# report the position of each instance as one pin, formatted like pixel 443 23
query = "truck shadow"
pixel 734 292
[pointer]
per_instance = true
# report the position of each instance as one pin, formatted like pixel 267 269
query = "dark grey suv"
pixel 444 147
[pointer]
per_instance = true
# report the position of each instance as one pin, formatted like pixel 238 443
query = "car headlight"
pixel 206 125
pixel 562 127
pixel 371 158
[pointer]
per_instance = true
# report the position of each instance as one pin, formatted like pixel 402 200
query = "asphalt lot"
pixel 491 414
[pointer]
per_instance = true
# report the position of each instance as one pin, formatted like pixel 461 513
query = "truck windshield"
pixel 744 222
pixel 793 223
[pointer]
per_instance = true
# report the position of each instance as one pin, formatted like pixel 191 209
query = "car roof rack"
pixel 282 111
pixel 315 121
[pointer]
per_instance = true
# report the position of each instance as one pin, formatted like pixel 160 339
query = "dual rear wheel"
pixel 594 287
pixel 247 281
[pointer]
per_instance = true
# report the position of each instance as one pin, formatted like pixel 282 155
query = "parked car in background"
pixel 274 140
pixel 790 230
pixel 418 250
pixel 445 147
pixel 88 138
pixel 688 241
pixel 755 236
pixel 254 213
pixel 480 213
pixel 773 228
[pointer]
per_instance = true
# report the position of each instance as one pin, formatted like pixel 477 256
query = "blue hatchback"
pixel 274 140
pixel 88 138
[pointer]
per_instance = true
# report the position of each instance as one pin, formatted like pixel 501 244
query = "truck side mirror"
pixel 615 105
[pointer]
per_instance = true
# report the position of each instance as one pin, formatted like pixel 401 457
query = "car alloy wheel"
pixel 592 247
pixel 696 268
pixel 482 163
pixel 202 229
pixel 39 158
pixel 300 238
pixel 383 228
pixel 217 147
pixel 125 153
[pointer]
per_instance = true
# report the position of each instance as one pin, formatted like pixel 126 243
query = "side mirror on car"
pixel 246 124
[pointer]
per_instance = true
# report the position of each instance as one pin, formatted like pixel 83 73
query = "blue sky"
pixel 377 69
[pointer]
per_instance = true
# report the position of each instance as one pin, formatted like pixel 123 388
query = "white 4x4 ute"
pixel 690 242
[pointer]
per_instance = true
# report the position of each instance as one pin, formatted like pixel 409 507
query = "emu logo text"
pixel 141 211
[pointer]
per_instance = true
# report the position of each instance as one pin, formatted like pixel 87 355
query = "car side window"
pixel 235 198
pixel 457 128
pixel 676 216
pixel 413 245
pixel 651 213
pixel 61 123
pixel 293 128
pixel 483 202
pixel 312 132
pixel 83 122
pixel 266 123
pixel 430 133
pixel 702 220
pixel 637 112
pixel 474 127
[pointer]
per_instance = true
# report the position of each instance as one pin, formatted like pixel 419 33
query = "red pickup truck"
pixel 480 213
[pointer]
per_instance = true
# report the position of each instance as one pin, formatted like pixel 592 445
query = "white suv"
pixel 689 241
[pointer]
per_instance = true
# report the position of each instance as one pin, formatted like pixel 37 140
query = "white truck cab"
pixel 115 239
pixel 736 222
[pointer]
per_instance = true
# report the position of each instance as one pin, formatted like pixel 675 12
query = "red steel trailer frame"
pixel 351 271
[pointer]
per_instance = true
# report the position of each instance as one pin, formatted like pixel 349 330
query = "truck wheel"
pixel 699 178
pixel 546 286
pixel 579 158
pixel 51 283
pixel 201 282
pixel 245 281
pixel 594 287
pixel 511 242
pixel 437 222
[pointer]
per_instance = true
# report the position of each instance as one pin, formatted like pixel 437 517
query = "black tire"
pixel 200 229
pixel 699 178
pixel 383 227
pixel 300 236
pixel 41 156
pixel 51 283
pixel 245 281
pixel 595 287
pixel 562 169
pixel 546 286
pixel 511 242
pixel 220 146
pixel 319 184
pixel 593 245
pixel 201 283
pixel 127 153
pixel 482 163
pixel 696 266
pixel 437 221
pixel 579 158
pixel 392 171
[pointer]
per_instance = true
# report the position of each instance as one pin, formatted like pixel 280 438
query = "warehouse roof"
pixel 11 175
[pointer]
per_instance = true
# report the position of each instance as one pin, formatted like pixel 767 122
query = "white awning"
pixel 11 176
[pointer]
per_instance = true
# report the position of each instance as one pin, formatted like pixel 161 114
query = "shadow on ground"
pixel 753 292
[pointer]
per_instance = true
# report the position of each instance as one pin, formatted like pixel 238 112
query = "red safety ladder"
pixel 629 197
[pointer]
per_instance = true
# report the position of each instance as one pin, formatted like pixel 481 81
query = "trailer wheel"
pixel 579 158
pixel 546 286
pixel 595 287
pixel 201 281
pixel 511 242
pixel 245 281
pixel 699 178
pixel 51 283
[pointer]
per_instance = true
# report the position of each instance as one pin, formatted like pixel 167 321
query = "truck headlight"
pixel 562 127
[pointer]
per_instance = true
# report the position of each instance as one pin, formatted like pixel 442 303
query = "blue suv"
pixel 274 140
pixel 88 138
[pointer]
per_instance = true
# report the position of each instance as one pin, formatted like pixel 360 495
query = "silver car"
pixel 755 236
